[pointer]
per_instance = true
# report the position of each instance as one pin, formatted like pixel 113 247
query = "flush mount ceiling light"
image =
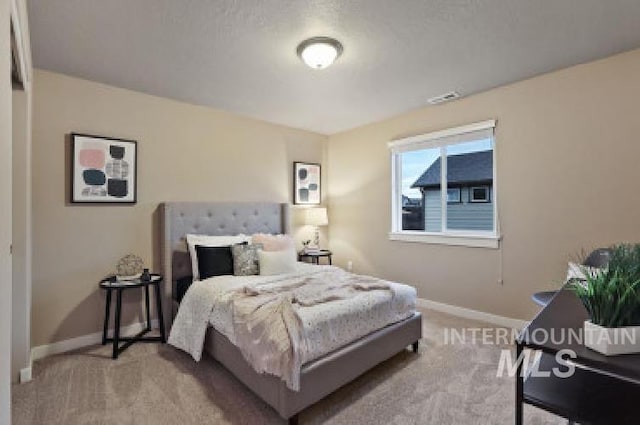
pixel 319 52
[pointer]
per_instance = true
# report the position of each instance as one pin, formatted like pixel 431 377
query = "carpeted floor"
pixel 156 384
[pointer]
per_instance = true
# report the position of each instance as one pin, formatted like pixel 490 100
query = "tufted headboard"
pixel 209 218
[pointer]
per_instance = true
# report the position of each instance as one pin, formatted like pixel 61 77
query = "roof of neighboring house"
pixel 406 201
pixel 461 169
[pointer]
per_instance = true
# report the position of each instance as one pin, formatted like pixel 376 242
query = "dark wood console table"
pixel 604 390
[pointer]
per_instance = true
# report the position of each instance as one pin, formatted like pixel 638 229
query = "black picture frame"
pixel 114 174
pixel 307 188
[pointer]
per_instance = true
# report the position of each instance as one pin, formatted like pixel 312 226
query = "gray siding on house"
pixel 464 216
pixel 432 211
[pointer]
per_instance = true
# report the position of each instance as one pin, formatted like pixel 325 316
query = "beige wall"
pixel 567 147
pixel 185 153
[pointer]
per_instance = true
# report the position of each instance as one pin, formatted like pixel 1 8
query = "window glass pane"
pixel 470 168
pixel 480 194
pixel 453 195
pixel 421 199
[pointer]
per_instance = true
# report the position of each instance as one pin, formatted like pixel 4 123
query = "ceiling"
pixel 239 55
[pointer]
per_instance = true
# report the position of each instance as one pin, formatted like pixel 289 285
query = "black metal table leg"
pixel 330 263
pixel 116 329
pixel 121 343
pixel 519 385
pixel 107 312
pixel 146 305
pixel 159 309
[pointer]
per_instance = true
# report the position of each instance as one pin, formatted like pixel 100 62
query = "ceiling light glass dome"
pixel 319 52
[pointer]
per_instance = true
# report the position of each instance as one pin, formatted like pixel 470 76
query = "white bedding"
pixel 325 326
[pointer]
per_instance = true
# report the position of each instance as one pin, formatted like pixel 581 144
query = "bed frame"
pixel 318 378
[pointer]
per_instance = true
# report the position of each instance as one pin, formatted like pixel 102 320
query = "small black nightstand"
pixel 119 286
pixel 315 256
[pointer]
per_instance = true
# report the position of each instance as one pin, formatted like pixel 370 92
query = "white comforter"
pixel 317 324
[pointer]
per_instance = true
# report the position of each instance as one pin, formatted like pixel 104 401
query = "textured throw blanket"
pixel 190 325
pixel 267 327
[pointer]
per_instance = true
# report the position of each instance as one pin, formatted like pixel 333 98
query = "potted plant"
pixel 612 299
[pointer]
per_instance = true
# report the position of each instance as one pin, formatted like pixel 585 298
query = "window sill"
pixel 468 240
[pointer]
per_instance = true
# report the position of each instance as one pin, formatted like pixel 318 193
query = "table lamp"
pixel 316 217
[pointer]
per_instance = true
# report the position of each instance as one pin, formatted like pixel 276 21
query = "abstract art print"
pixel 306 183
pixel 104 169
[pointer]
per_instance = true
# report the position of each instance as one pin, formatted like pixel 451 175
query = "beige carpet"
pixel 156 384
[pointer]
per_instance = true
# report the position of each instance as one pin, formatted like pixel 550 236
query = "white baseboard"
pixel 58 347
pixel 25 374
pixel 467 313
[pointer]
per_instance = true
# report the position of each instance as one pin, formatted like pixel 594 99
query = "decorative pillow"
pixel 206 240
pixel 277 262
pixel 214 261
pixel 273 242
pixel 245 259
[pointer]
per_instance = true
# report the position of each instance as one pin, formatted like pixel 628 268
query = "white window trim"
pixel 437 138
pixel 486 200
pixel 449 237
pixel 479 240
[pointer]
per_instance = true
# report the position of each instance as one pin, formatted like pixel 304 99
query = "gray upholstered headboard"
pixel 209 218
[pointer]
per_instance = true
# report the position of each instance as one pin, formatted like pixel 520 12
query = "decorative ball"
pixel 129 265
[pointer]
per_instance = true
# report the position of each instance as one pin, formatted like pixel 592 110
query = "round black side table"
pixel 119 287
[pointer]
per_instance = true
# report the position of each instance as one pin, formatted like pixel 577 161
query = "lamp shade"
pixel 316 217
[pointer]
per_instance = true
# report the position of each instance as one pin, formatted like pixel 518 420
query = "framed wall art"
pixel 104 170
pixel 306 183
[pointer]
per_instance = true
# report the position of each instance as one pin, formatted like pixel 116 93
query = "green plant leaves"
pixel 612 295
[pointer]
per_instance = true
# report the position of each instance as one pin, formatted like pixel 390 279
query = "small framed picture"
pixel 306 183
pixel 104 170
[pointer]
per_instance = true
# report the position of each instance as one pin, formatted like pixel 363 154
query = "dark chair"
pixel 543 298
pixel 598 258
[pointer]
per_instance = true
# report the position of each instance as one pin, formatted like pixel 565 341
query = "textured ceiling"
pixel 239 55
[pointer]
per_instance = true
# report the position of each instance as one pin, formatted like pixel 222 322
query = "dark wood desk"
pixel 604 390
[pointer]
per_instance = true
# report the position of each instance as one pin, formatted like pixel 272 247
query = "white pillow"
pixel 273 242
pixel 277 262
pixel 206 240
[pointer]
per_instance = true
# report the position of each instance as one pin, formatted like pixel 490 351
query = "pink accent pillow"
pixel 273 242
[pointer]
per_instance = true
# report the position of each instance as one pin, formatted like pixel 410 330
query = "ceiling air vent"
pixel 444 98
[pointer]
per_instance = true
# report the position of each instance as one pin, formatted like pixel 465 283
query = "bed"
pixel 319 377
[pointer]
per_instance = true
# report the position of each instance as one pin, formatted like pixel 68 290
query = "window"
pixel 443 187
pixel 479 194
pixel 454 195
